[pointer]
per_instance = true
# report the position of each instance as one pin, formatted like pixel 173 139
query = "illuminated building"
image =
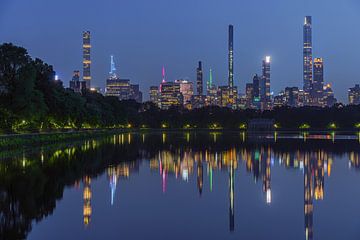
pixel 231 57
pixel 227 96
pixel 318 83
pixel 307 55
pixel 75 84
pixel 257 88
pixel 292 96
pixel 279 100
pixel 249 93
pixel 211 91
pixel 187 91
pixel 154 95
pixel 302 98
pixel 58 81
pixel 265 95
pixel 121 88
pixel 354 95
pixel 87 210
pixel 170 95
pixel 241 101
pixel 198 101
pixel 86 59
pixel 199 79
pixel 329 99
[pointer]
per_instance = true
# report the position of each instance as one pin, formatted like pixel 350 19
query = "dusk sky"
pixel 144 35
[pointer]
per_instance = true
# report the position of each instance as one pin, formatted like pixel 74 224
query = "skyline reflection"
pixel 198 158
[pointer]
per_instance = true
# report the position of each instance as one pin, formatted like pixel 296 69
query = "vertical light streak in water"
pixel 164 181
pixel 231 196
pixel 164 138
pixel 211 178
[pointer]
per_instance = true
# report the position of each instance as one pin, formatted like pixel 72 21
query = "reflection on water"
pixel 31 184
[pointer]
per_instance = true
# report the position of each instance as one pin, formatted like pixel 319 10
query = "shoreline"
pixel 11 141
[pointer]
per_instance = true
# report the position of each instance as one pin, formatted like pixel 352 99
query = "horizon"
pixel 178 44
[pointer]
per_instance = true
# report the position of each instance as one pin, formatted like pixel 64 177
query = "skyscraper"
pixel 307 51
pixel 255 101
pixel 354 95
pixel 211 90
pixel 154 95
pixel 86 59
pixel 121 88
pixel 187 91
pixel 265 86
pixel 199 79
pixel 318 82
pixel 231 57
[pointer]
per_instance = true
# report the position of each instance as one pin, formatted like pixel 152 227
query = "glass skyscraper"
pixel 307 51
pixel 265 88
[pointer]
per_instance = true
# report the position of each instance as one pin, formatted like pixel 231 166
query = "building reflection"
pixel 87 210
pixel 232 195
pixel 196 165
pixel 308 198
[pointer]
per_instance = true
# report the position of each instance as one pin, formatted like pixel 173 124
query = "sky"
pixel 144 35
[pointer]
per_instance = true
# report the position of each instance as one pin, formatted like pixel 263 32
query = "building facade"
pixel 76 84
pixel 199 79
pixel 307 55
pixel 170 95
pixel 187 91
pixel 87 59
pixel 354 95
pixel 317 89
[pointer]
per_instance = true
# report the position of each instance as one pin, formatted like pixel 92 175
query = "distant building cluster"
pixel 257 94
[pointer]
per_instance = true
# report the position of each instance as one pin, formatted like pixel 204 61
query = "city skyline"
pixel 185 48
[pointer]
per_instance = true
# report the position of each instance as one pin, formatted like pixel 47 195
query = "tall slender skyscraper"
pixel 265 91
pixel 86 59
pixel 307 51
pixel 210 82
pixel 231 57
pixel 199 79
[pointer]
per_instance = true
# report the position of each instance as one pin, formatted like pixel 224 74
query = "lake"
pixel 184 185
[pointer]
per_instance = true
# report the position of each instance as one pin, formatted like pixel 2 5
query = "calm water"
pixel 185 186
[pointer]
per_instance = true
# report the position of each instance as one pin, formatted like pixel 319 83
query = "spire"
pixel 163 74
pixel 112 66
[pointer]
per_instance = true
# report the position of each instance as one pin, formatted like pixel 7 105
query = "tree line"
pixel 31 100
